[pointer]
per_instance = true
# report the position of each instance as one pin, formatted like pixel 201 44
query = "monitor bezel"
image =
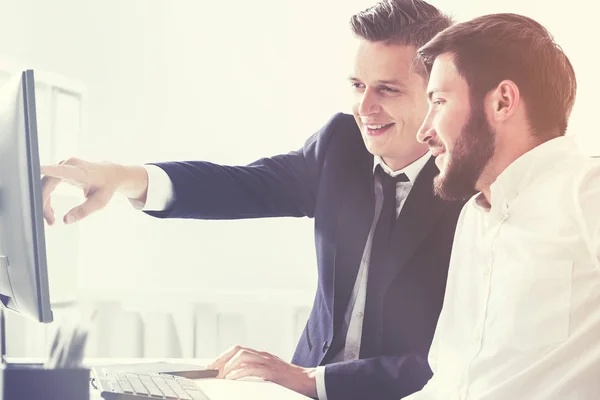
pixel 35 191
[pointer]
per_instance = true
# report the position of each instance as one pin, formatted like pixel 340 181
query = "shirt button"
pixel 505 213
pixel 360 314
pixel 352 356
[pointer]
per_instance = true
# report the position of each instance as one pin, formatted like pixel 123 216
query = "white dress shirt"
pixel 161 195
pixel 521 314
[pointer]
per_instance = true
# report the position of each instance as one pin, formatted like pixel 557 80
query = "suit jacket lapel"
pixel 355 216
pixel 420 212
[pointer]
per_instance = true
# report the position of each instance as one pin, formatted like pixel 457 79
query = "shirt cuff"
pixel 160 194
pixel 320 375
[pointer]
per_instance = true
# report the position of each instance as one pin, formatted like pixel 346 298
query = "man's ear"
pixel 505 99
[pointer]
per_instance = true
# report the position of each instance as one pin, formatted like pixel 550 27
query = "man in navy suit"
pixel 382 237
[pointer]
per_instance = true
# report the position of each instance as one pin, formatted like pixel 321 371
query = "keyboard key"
pixel 127 388
pixel 179 391
pixel 137 384
pixel 114 385
pixel 153 389
pixel 187 384
pixel 166 389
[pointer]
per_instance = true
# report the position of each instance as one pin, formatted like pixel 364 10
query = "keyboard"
pixel 125 385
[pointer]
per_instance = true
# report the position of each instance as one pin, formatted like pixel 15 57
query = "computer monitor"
pixel 23 268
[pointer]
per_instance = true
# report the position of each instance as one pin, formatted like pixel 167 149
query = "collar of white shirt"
pixel 523 172
pixel 412 170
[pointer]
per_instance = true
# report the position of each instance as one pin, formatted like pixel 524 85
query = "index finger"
pixel 64 172
pixel 224 358
pixel 242 358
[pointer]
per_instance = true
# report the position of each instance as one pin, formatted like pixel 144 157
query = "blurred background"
pixel 134 81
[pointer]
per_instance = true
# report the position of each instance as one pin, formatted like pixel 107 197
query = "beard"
pixel 471 153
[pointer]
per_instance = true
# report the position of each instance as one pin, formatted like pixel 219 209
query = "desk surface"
pixel 216 389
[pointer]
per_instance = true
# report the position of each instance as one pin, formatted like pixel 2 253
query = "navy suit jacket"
pixel 330 179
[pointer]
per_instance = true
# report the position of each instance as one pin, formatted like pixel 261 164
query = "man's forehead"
pixel 444 74
pixel 379 61
pixel 382 51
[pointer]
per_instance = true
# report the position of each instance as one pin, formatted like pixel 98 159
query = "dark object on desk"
pixel 33 382
pixel 195 374
pixel 150 385
pixel 69 342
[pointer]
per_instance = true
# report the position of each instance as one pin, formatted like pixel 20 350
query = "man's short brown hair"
pixel 404 22
pixel 497 47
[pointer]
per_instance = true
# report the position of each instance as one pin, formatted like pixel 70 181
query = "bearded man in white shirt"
pixel 521 314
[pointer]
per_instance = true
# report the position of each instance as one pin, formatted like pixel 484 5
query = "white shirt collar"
pixel 522 172
pixel 412 170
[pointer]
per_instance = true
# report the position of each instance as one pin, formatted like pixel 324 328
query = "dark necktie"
pixel 380 259
pixel 387 218
pixel 379 244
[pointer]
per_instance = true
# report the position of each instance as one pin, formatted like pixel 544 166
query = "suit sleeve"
pixel 383 377
pixel 281 186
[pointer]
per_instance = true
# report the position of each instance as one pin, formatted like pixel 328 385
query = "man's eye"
pixel 390 90
pixel 357 85
pixel 438 102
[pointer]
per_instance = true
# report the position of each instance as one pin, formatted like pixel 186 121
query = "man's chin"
pixel 375 148
pixel 450 191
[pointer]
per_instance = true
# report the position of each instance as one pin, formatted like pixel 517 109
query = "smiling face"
pixel 457 132
pixel 390 101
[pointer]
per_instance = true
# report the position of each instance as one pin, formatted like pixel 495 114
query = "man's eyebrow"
pixel 394 82
pixel 390 82
pixel 431 92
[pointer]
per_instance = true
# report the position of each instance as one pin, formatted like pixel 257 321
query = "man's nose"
pixel 369 104
pixel 426 131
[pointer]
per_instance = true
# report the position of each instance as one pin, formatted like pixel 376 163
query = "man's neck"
pixel 398 163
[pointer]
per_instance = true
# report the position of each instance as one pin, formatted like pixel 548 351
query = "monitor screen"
pixel 23 268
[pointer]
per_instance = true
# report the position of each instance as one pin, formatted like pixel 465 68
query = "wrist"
pixel 311 382
pixel 132 181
